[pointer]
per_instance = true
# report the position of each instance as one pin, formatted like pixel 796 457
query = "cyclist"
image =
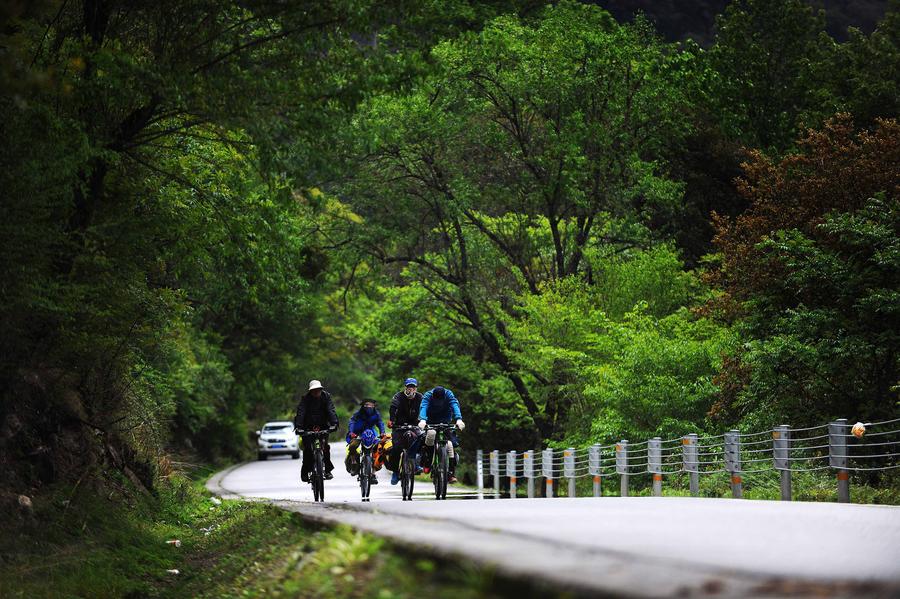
pixel 440 406
pixel 315 411
pixel 366 417
pixel 404 412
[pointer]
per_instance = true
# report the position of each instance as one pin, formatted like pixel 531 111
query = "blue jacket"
pixel 441 412
pixel 360 422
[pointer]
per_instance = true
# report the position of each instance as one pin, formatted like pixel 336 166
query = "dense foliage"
pixel 814 265
pixel 163 268
pixel 207 204
pixel 524 196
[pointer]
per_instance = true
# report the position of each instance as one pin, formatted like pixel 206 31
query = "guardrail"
pixel 782 449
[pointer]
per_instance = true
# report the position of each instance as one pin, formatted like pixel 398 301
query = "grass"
pixel 84 543
pixel 112 543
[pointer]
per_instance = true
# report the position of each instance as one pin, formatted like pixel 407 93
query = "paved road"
pixel 640 545
pixel 279 478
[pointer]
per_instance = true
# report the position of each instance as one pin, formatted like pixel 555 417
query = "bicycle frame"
pixel 366 460
pixel 407 466
pixel 317 476
pixel 440 460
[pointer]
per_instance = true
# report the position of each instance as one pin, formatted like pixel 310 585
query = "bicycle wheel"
pixel 404 482
pixel 437 475
pixel 445 470
pixel 406 475
pixel 365 472
pixel 409 475
pixel 319 480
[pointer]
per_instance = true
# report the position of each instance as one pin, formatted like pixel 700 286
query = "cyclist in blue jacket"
pixel 366 417
pixel 440 406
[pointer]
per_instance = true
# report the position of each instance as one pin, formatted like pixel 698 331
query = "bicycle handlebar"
pixel 303 433
pixel 441 427
pixel 405 427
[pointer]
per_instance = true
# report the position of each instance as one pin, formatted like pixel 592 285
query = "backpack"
pixel 438 407
pixel 382 451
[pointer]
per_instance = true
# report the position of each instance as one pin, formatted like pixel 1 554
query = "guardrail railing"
pixel 832 446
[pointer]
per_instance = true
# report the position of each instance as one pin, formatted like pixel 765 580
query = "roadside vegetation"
pixel 77 543
pixel 586 230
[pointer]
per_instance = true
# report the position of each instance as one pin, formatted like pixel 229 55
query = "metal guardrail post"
pixel 569 469
pixel 837 456
pixel 528 470
pixel 547 467
pixel 622 466
pixel 690 462
pixel 511 472
pixel 594 467
pixel 479 472
pixel 781 450
pixel 495 470
pixel 733 462
pixel 654 464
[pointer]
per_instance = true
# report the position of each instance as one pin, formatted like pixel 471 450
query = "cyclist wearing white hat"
pixel 315 412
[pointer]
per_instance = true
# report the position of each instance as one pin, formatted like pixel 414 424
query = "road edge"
pixel 214 483
pixel 611 574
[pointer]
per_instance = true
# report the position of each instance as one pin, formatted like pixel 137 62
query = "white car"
pixel 278 438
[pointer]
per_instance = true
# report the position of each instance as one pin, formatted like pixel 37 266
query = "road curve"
pixel 637 546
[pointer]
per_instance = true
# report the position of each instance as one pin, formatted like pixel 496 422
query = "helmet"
pixel 371 401
pixel 410 383
pixel 438 392
pixel 369 438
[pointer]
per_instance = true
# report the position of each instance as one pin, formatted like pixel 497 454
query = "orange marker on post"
pixel 733 462
pixel 622 466
pixel 547 468
pixel 594 466
pixel 511 470
pixel 654 464
pixel 838 431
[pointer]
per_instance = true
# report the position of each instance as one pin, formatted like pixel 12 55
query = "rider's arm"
pixel 423 408
pixel 300 414
pixel 350 426
pixel 454 405
pixel 380 424
pixel 395 405
pixel 332 415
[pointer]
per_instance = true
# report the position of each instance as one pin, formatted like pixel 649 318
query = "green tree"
pixel 627 351
pixel 770 61
pixel 823 338
pixel 165 253
pixel 530 144
pixel 866 71
pixel 155 258
pixel 559 124
pixel 810 272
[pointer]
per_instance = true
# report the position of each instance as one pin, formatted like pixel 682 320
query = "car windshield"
pixel 279 428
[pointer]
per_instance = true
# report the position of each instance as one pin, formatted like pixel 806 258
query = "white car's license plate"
pixel 278 446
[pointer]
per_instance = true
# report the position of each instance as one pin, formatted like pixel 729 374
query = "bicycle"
pixel 317 476
pixel 367 443
pixel 407 464
pixel 440 459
